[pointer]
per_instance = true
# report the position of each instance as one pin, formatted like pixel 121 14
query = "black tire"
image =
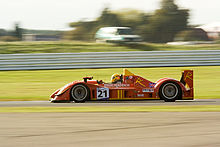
pixel 79 93
pixel 169 91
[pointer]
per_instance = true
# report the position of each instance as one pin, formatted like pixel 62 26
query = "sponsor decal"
pixel 116 85
pixel 189 76
pixel 140 95
pixel 120 94
pixel 139 82
pixel 148 90
pixel 151 85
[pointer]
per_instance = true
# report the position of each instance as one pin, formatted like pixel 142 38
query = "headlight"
pixel 63 89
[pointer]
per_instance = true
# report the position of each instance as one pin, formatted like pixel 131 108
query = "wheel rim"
pixel 170 91
pixel 79 92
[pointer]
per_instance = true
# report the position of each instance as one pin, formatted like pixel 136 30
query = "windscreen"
pixel 125 32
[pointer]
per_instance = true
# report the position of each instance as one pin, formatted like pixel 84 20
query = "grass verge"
pixel 75 47
pixel 38 85
pixel 200 108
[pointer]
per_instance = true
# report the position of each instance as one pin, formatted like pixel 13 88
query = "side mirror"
pixel 87 78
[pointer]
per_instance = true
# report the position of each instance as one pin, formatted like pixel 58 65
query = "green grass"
pixel 71 47
pixel 199 108
pixel 38 85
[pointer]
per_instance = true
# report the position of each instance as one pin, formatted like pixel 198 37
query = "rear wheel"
pixel 79 93
pixel 169 91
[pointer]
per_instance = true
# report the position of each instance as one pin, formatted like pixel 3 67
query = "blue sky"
pixel 56 14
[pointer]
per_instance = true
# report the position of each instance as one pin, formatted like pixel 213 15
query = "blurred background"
pixel 157 21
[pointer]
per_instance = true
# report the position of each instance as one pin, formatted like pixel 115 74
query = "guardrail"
pixel 109 60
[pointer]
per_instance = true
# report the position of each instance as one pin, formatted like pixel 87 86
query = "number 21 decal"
pixel 102 93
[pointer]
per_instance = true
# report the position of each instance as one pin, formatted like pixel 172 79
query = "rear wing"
pixel 187 79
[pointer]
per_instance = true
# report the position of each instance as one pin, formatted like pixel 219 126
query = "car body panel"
pixel 133 87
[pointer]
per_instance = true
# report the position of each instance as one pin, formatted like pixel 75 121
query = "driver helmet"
pixel 115 78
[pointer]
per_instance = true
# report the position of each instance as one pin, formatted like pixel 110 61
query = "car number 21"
pixel 102 93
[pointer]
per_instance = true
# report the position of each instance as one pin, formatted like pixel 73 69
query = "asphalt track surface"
pixel 110 129
pixel 165 129
pixel 109 103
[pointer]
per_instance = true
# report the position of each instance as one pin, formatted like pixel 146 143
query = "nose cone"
pixel 54 94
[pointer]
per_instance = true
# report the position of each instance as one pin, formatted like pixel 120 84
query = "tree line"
pixel 13 35
pixel 168 23
pixel 159 27
pixel 17 33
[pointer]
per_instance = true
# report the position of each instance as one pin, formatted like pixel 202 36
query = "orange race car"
pixel 127 87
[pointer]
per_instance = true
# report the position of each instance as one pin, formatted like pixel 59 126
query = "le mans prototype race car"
pixel 131 87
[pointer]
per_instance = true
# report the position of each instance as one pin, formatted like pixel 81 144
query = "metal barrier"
pixel 109 60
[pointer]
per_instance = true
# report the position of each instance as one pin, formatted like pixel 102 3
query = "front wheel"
pixel 79 93
pixel 169 92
